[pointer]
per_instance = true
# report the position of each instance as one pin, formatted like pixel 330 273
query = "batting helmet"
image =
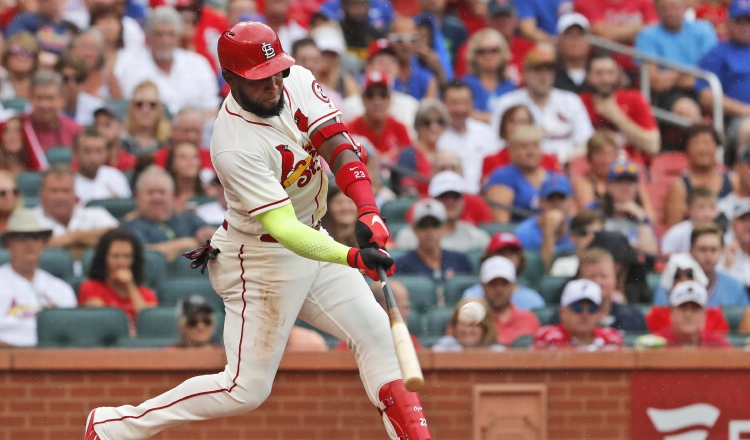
pixel 252 50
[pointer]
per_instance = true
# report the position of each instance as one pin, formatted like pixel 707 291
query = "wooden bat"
pixel 405 352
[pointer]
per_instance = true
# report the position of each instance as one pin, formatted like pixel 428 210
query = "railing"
pixel 665 115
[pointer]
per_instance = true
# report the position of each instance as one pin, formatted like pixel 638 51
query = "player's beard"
pixel 259 109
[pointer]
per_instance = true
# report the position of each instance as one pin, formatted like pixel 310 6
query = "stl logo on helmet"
pixel 268 50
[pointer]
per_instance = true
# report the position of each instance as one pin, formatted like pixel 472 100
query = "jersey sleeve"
pixel 252 181
pixel 314 105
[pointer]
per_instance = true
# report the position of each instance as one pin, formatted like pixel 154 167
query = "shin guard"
pixel 404 411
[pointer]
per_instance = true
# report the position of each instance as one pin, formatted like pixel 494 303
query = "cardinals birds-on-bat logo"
pixel 300 120
pixel 291 172
pixel 287 161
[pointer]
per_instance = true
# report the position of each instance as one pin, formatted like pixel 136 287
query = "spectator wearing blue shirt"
pixel 488 55
pixel 429 258
pixel 47 24
pixel 729 61
pixel 380 13
pixel 539 18
pixel 706 248
pixel 451 28
pixel 679 41
pixel 157 226
pixel 412 78
pixel 548 232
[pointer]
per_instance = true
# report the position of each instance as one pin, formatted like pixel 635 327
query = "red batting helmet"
pixel 252 50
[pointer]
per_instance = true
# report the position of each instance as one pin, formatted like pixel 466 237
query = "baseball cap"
pixel 555 184
pixel 497 267
pixel 573 19
pixel 193 303
pixel 110 111
pixel 329 39
pixel 739 8
pixel 501 7
pixel 447 181
pixel 621 169
pixel 376 78
pixel 541 55
pixel 741 207
pixel 429 208
pixel 502 240
pixel 379 46
pixel 688 291
pixel 578 290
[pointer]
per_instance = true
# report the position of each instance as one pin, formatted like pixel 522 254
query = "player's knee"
pixel 251 395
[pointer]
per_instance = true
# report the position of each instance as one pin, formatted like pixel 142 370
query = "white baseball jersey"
pixel 267 163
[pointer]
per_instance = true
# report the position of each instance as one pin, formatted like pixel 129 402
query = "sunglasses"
pixel 21 51
pixel 450 195
pixel 403 38
pixel 6 192
pixel 429 223
pixel 579 306
pixel 487 50
pixel 431 122
pixel 145 104
pixel 193 321
pixel 380 94
pixel 73 78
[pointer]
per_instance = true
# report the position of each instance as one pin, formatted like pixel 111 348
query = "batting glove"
pixel 370 230
pixel 369 259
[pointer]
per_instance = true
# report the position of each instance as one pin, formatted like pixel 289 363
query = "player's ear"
pixel 228 77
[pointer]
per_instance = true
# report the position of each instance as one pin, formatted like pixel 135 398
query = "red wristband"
pixel 354 181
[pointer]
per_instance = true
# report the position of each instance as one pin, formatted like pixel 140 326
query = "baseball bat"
pixel 405 352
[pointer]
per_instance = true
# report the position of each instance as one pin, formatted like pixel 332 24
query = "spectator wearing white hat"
pixel 448 188
pixel 573 50
pixel 25 289
pixel 579 317
pixel 688 312
pixel 498 280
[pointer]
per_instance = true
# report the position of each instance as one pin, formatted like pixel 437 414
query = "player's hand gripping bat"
pixel 405 352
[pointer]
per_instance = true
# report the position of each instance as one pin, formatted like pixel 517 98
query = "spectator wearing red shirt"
pixel 715 12
pixel 46 126
pixel 202 28
pixel 626 112
pixel 618 20
pixel 116 276
pixel 387 134
pixel 579 315
pixel 688 313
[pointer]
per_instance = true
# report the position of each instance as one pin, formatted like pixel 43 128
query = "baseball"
pixel 471 313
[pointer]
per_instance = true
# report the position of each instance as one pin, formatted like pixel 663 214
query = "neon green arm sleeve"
pixel 303 240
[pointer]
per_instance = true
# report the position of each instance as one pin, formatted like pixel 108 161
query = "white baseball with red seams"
pixel 264 164
pixel 471 313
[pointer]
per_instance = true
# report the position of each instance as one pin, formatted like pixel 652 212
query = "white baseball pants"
pixel 265 287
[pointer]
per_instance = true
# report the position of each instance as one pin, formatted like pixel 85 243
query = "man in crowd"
pixel 450 28
pixel 579 317
pixel 358 31
pixel 412 78
pixel 448 188
pixel 707 248
pixel 498 280
pixel 573 50
pixel 626 112
pixel 688 312
pixel 187 126
pixel 184 78
pixel 94 179
pixel 560 113
pixel 736 258
pixel 74 227
pixel 46 126
pixel 585 224
pixel 77 105
pixel 157 225
pixel 26 289
pixel 108 122
pixel 741 191
pixel 196 322
pixel 469 138
pixel 702 208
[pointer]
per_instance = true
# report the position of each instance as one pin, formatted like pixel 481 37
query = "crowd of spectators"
pixel 518 163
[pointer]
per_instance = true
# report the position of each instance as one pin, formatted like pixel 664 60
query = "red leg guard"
pixel 404 410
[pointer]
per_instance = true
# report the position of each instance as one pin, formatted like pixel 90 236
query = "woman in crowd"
pixel 463 336
pixel 19 60
pixel 429 122
pixel 184 165
pixel 624 208
pixel 15 155
pixel 512 118
pixel 9 197
pixel 701 146
pixel 116 276
pixel 146 128
pixel 100 82
pixel 341 217
pixel 487 56
pixel 514 189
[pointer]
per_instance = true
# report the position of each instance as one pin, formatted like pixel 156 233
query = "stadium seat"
pixel 551 289
pixel 665 168
pixel 18 104
pixel 58 262
pixel 454 288
pixel 494 228
pixel 397 253
pixel 629 338
pixel 59 154
pixel 395 227
pixel 524 341
pixel 474 257
pixel 4 256
pixel 652 280
pixel 117 207
pixel 155 266
pixel 145 342
pixel 422 294
pixel 534 270
pixel 738 341
pixel 202 200
pixel 157 322
pixel 180 267
pixel 415 323
pixel 171 290
pixel 84 327
pixel 395 210
pixel 544 314
pixel 436 321
pixel 75 282
pixel 734 316
pixel 429 341
pixel 29 183
pixel 30 201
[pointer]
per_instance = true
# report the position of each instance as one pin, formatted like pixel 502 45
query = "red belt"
pixel 267 238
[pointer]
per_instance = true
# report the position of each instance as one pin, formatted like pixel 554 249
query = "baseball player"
pixel 274 262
